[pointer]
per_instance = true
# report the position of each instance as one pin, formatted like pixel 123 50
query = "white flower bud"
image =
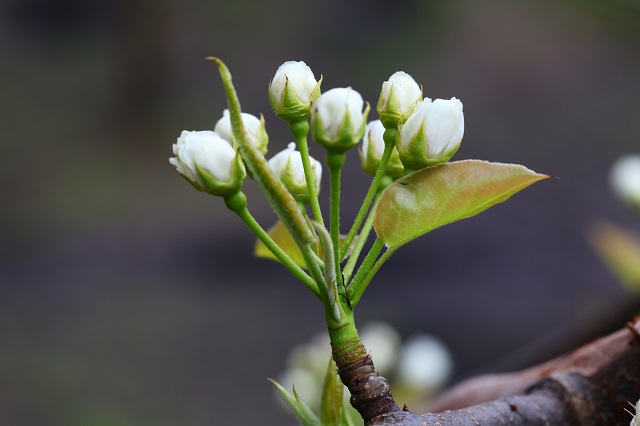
pixel 337 119
pixel 253 125
pixel 431 134
pixel 625 178
pixel 425 363
pixel 372 150
pixel 399 95
pixel 287 166
pixel 208 162
pixel 292 90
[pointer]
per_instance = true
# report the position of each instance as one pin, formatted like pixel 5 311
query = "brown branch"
pixel 590 386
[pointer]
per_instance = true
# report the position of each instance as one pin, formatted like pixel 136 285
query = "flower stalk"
pixel 300 130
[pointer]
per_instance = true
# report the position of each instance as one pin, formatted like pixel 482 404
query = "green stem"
pixel 362 239
pixel 300 129
pixel 316 273
pixel 367 263
pixel 355 292
pixel 335 162
pixel 390 136
pixel 237 203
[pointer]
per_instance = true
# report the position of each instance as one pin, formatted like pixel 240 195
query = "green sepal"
pixel 305 415
pixel 443 194
pixel 300 191
pixel 389 113
pixel 347 136
pixel 290 108
pixel 332 397
pixel 263 137
pixel 370 163
pixel 414 155
pixel 215 187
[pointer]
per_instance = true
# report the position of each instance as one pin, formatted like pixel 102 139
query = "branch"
pixel 590 386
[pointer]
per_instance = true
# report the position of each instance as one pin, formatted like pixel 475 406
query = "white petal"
pixel 299 76
pixel 443 123
pixel 415 122
pixel 332 105
pixel 251 125
pixel 405 89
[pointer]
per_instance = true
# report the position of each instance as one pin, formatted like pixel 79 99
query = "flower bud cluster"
pixel 429 132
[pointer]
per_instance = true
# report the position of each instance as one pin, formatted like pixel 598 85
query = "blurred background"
pixel 128 298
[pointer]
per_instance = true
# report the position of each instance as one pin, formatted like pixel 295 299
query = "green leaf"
pixel 619 249
pixel 297 404
pixel 285 241
pixel 332 392
pixel 442 194
pixel 346 416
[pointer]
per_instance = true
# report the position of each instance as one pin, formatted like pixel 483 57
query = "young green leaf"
pixel 442 194
pixel 331 405
pixel 297 404
pixel 346 416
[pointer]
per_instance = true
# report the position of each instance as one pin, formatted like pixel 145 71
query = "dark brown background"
pixel 127 298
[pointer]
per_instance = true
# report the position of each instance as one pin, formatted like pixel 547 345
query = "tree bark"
pixel 590 386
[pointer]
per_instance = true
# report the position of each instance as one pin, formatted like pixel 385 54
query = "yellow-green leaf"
pixel 442 194
pixel 619 249
pixel 285 241
pixel 331 403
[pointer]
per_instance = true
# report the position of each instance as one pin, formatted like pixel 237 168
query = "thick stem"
pixel 590 387
pixel 370 393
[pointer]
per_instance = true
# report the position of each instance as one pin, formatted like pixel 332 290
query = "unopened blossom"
pixel 287 166
pixel 253 126
pixel 372 150
pixel 431 134
pixel 424 363
pixel 399 96
pixel 337 119
pixel 625 178
pixel 292 90
pixel 208 162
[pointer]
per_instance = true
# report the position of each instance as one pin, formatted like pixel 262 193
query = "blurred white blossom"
pixel 625 178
